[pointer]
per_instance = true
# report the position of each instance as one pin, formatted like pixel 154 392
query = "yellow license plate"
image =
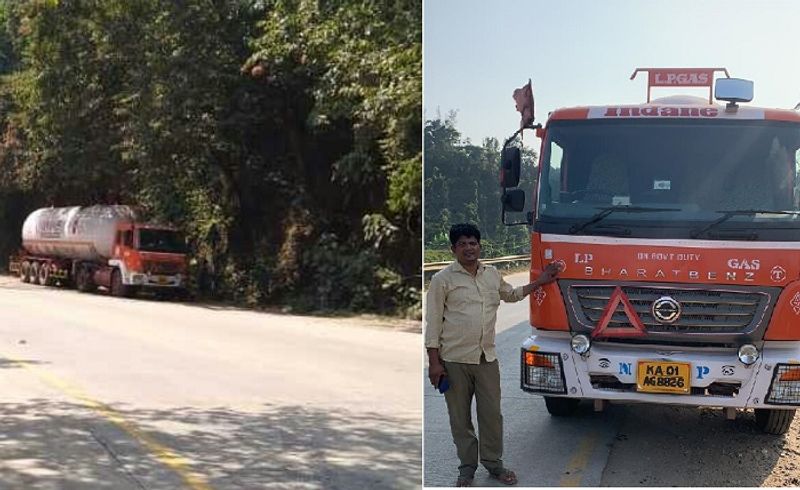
pixel 161 280
pixel 663 377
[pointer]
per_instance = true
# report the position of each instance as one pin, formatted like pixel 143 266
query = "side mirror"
pixel 733 90
pixel 514 200
pixel 510 162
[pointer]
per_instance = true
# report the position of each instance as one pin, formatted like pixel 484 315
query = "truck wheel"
pixel 83 280
pixel 44 275
pixel 774 420
pixel 25 272
pixel 34 273
pixel 117 288
pixel 561 407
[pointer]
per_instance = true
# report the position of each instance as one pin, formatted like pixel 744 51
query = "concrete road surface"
pixel 626 445
pixel 101 392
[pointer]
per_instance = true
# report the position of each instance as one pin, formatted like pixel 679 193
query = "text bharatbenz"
pixel 676 226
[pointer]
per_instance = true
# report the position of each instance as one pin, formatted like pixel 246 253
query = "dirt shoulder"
pixel 664 446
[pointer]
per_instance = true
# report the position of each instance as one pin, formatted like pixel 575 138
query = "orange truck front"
pixel 676 225
pixel 150 257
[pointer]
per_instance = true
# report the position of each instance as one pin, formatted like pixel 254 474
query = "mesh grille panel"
pixel 703 310
pixel 785 389
pixel 542 372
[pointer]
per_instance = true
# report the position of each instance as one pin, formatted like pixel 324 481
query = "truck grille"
pixel 723 311
pixel 162 268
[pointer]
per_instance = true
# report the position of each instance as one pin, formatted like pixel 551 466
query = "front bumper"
pixel 717 377
pixel 156 281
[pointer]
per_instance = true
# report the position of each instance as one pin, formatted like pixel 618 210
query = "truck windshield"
pixel 166 241
pixel 688 172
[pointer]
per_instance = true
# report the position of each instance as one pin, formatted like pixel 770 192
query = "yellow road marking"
pixel 577 465
pixel 162 453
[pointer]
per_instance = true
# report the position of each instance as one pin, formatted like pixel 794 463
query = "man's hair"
pixel 465 230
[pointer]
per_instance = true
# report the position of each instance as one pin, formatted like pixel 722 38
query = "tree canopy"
pixel 284 137
pixel 462 186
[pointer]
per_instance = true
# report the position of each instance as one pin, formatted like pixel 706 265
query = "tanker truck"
pixel 676 227
pixel 101 246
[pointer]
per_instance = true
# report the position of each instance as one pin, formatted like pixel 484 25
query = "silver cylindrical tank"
pixel 79 233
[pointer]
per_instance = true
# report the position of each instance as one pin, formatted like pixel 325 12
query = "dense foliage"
pixel 283 136
pixel 462 186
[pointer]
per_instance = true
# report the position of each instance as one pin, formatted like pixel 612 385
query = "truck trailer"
pixel 676 227
pixel 101 246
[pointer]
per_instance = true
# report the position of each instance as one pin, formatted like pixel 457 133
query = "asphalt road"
pixel 625 445
pixel 101 392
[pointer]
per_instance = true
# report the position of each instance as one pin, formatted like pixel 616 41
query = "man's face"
pixel 467 250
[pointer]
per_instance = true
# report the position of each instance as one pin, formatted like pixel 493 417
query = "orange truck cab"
pixel 149 256
pixel 676 226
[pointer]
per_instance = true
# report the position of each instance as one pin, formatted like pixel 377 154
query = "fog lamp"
pixel 580 344
pixel 748 354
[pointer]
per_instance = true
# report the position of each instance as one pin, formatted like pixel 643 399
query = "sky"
pixel 476 52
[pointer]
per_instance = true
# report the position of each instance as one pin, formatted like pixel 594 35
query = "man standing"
pixel 461 310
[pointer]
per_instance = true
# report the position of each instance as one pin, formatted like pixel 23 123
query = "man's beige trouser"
pixel 483 382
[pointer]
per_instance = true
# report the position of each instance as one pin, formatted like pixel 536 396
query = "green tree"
pixel 283 137
pixel 461 185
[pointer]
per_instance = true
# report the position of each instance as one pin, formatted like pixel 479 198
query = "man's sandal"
pixel 464 481
pixel 505 476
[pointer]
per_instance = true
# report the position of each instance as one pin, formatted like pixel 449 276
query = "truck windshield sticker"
pixel 662 185
pixel 621 200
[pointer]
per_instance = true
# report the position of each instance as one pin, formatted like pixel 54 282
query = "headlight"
pixel 580 344
pixel 543 372
pixel 785 387
pixel 748 354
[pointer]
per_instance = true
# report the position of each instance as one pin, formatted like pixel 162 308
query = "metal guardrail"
pixel 429 269
pixel 435 266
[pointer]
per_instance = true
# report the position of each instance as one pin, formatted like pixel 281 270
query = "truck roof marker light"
pixel 602 329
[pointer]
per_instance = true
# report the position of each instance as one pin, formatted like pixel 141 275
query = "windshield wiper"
pixel 738 212
pixel 611 209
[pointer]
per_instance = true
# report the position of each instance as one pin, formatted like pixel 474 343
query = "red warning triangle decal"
pixel 635 330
